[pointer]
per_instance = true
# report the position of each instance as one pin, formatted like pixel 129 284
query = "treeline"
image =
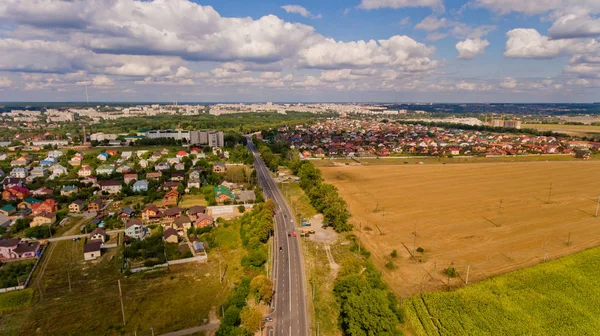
pixel 367 305
pixel 255 229
pixel 482 128
pixel 323 197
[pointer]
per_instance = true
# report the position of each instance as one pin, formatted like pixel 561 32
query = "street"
pixel 291 311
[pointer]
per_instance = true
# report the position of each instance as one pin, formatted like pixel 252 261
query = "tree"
pixel 262 287
pixel 251 319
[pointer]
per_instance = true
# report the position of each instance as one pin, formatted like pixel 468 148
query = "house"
pixel 42 192
pixel 98 235
pixel 8 210
pixel 112 152
pixel 85 171
pixel 153 175
pixel 194 180
pixel 92 251
pixel 171 214
pixel 38 171
pixel 68 190
pixel 123 169
pixel 105 170
pixel 47 218
pixel 47 162
pixel 3 156
pixel 28 203
pixel 135 229
pixel 76 207
pixel 177 177
pixel 183 223
pixel 223 194
pixel 162 166
pixel 9 182
pixel 198 247
pixel 7 247
pixel 111 186
pixel 129 178
pixel 96 205
pixel 169 185
pixel 76 161
pixel 18 249
pixel 93 180
pixel 5 221
pixel 47 206
pixel 170 236
pixel 194 211
pixel 203 220
pixel 143 163
pixel 19 172
pixel 59 170
pixel 55 154
pixel 179 166
pixel 140 186
pixel 15 193
pixel 181 154
pixel 170 197
pixel 219 167
pixel 22 161
pixel 150 213
pixel 102 157
pixel 125 214
pixel 126 155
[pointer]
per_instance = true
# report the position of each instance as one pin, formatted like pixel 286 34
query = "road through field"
pixel 490 218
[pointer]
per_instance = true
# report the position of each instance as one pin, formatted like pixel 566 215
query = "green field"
pixel 188 201
pixel 15 300
pixel 560 297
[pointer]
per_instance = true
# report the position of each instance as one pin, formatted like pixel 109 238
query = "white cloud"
pixel 5 82
pixel 374 4
pixel 471 86
pixel 102 81
pixel 574 26
pixel 432 23
pixel 509 83
pixel 405 21
pixel 529 43
pixel 297 9
pixel 533 7
pixel 470 48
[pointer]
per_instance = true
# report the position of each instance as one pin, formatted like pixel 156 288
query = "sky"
pixel 300 51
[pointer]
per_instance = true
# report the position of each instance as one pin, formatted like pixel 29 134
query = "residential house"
pixel 76 161
pixel 125 214
pixel 135 229
pixel 223 194
pixel 9 182
pixel 170 198
pixel 177 177
pixel 47 206
pixel 47 162
pixel 77 206
pixel 98 235
pixel 169 216
pixel 42 192
pixel 194 180
pixel 55 154
pixel 38 171
pixel 68 190
pixel 219 167
pixel 28 203
pixel 151 213
pixel 143 163
pixel 162 166
pixel 102 157
pixel 93 180
pixel 194 211
pixel 126 155
pixel 7 247
pixel 181 154
pixel 164 151
pixel 105 170
pixel 183 223
pixel 169 185
pixel 59 170
pixel 85 171
pixel 170 236
pixel 112 152
pixel 123 169
pixel 140 186
pixel 96 205
pixel 174 160
pixel 92 251
pixel 198 247
pixel 127 178
pixel 47 218
pixel 3 156
pixel 153 175
pixel 179 166
pixel 203 220
pixel 16 248
pixel 111 186
pixel 8 210
pixel 19 172
pixel 22 161
pixel 15 193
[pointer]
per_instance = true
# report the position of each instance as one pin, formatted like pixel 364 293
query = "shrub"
pixel 451 272
pixel 390 265
pixel 420 249
pixel 394 254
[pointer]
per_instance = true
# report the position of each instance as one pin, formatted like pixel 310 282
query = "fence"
pixel 140 269
pixel 10 289
pixel 227 209
pixel 200 258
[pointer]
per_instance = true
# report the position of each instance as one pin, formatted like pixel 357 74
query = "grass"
pixel 188 201
pixel 70 224
pixel 182 296
pixel 569 129
pixel 11 301
pixel 555 298
pixel 297 199
pixel 237 174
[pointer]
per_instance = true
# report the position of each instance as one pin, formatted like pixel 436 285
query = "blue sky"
pixel 363 50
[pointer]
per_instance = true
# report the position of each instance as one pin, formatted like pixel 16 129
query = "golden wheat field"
pixel 490 217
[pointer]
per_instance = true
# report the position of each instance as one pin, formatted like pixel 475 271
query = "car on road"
pixel 280 248
pixel 268 319
pixel 294 234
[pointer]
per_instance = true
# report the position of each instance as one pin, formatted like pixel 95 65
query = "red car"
pixel 294 234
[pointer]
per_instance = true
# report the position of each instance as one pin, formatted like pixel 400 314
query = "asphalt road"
pixel 291 310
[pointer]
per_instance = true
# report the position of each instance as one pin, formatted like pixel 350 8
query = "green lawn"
pixel 237 174
pixel 14 300
pixel 297 199
pixel 181 296
pixel 560 297
pixel 188 201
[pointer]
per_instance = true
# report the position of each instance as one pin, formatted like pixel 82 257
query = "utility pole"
pixel 549 193
pixel 121 298
pixel 415 242
pixel 467 278
pixel 69 277
pixel 597 206
pixel 220 278
pixel 499 213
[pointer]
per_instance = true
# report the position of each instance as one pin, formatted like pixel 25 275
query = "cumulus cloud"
pixel 575 26
pixel 432 23
pixel 537 6
pixel 5 82
pixel 297 9
pixel 374 4
pixel 509 83
pixel 529 43
pixel 470 48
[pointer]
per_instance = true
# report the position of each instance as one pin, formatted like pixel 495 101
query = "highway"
pixel 290 309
